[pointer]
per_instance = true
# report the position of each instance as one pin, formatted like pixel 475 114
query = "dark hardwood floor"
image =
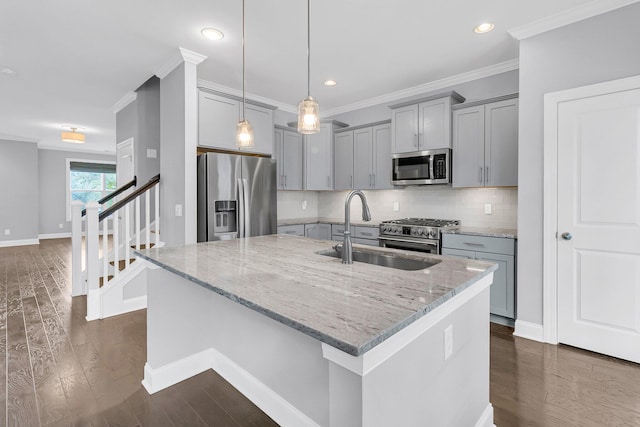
pixel 57 369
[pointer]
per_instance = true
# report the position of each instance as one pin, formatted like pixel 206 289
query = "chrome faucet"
pixel 347 249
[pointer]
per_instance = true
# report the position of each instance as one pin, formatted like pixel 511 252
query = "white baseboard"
pixel 486 419
pixel 528 330
pixel 25 242
pixel 280 410
pixel 54 236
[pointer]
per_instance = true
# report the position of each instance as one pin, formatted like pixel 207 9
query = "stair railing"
pixel 97 273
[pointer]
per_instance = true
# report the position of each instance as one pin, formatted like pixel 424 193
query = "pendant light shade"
pixel 308 109
pixel 73 137
pixel 244 131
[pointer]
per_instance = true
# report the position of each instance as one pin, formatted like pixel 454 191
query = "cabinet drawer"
pixel 496 245
pixel 296 230
pixel 366 232
pixel 338 229
pixel 367 242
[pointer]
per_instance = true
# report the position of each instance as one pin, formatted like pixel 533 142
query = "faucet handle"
pixel 338 247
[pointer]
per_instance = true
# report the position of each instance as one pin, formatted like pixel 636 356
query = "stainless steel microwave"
pixel 422 167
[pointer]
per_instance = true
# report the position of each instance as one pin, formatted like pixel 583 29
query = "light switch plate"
pixel 448 342
pixel 178 210
pixel 7 232
pixel 304 204
pixel 487 208
pixel 151 153
pixel 396 206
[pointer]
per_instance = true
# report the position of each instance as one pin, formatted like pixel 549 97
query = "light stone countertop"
pixel 350 307
pixel 508 233
pixel 355 220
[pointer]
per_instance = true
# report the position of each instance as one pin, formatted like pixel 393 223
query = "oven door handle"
pixel 420 242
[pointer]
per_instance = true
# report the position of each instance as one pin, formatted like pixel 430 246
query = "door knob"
pixel 567 236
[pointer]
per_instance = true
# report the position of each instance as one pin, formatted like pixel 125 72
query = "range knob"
pixel 433 233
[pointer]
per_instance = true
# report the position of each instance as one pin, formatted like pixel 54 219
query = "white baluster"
pixel 157 214
pixel 127 238
pixel 147 218
pixel 105 251
pixel 93 289
pixel 77 284
pixel 137 230
pixel 116 244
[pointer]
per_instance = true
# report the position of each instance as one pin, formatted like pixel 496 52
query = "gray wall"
pixel 488 87
pixel 19 190
pixel 52 184
pixel 127 122
pixel 598 49
pixel 148 115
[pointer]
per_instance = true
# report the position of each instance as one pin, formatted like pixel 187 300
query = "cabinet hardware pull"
pixel 477 245
pixel 374 180
pixel 364 233
pixel 285 181
pixel 480 177
pixel 486 175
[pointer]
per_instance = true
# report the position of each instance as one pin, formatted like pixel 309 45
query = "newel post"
pixel 78 286
pixel 93 261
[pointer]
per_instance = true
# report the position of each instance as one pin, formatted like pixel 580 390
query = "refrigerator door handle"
pixel 241 208
pixel 245 209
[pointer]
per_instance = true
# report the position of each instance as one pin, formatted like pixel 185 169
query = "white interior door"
pixel 598 214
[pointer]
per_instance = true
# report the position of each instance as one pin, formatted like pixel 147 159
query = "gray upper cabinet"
pixel 423 124
pixel 218 116
pixel 318 157
pixel 485 143
pixel 382 157
pixel 343 161
pixel 287 150
pixel 363 158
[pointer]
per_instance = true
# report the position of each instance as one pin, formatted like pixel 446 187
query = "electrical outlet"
pixel 178 211
pixel 304 204
pixel 60 225
pixel 487 208
pixel 396 206
pixel 7 231
pixel 151 153
pixel 448 342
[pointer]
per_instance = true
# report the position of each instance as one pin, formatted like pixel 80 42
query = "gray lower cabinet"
pixel 318 231
pixel 287 150
pixel 365 235
pixel 493 249
pixel 485 143
pixel 296 230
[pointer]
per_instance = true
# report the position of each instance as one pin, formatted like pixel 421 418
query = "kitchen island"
pixel 313 342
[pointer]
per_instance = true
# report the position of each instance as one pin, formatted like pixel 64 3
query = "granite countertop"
pixel 350 307
pixel 324 220
pixel 508 233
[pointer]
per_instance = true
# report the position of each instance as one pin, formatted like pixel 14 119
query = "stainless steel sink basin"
pixel 384 260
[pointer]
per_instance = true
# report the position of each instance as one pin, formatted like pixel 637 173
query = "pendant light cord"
pixel 308 48
pixel 244 100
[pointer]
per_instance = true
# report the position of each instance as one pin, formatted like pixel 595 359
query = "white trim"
pixel 54 236
pixel 279 409
pixel 550 220
pixel 25 242
pixel 365 363
pixel 127 99
pixel 206 84
pixel 480 73
pixel 486 419
pixel 528 330
pixel 77 148
pixel 579 13
pixel 183 55
pixel 17 138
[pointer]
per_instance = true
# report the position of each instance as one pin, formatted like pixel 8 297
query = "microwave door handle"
pixel 431 176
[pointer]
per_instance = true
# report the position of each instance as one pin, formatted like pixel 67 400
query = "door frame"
pixel 550 201
pixel 119 146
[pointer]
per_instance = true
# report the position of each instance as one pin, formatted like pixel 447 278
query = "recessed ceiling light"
pixel 212 34
pixel 7 71
pixel 485 27
pixel 330 83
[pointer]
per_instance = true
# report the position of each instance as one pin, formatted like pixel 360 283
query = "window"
pixel 90 181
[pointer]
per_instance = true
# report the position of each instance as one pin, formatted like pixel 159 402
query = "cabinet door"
pixel 343 161
pixel 261 120
pixel 468 147
pixel 363 158
pixel 278 140
pixel 324 231
pixel 459 253
pixel 318 154
pixel 404 129
pixel 502 289
pixel 311 231
pixel 434 124
pixel 382 157
pixel 295 230
pixel 292 156
pixel 217 120
pixel 501 143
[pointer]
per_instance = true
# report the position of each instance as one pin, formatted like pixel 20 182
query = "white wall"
pixel 598 49
pixel 18 190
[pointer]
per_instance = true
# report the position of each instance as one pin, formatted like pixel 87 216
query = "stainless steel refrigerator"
pixel 236 196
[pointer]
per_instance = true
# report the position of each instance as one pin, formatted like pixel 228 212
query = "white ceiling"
pixel 74 59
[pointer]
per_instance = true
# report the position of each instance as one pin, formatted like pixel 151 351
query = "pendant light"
pixel 244 131
pixel 308 109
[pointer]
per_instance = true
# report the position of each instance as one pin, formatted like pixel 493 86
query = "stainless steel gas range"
pixel 416 234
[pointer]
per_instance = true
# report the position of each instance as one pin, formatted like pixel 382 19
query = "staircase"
pixel 112 280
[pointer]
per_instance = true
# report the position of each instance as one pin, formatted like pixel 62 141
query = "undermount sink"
pixel 384 260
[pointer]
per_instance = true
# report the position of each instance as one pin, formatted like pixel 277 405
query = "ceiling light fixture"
pixel 485 27
pixel 212 34
pixel 330 83
pixel 308 109
pixel 73 136
pixel 244 132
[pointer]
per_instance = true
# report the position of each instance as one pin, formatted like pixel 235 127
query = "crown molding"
pixel 205 84
pixel 491 70
pixel 17 138
pixel 76 148
pixel 183 55
pixel 127 99
pixel 588 10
